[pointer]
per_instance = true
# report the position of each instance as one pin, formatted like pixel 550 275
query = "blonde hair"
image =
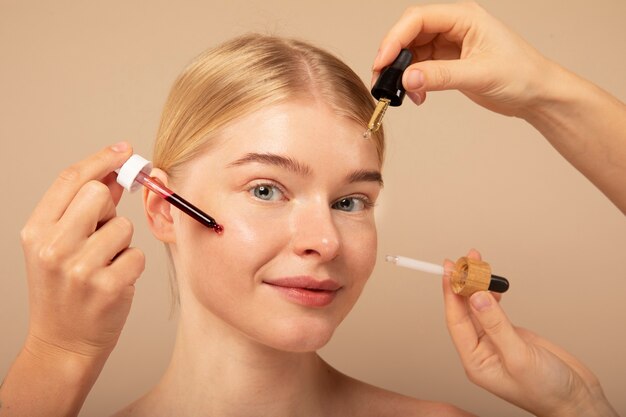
pixel 242 76
pixel 246 74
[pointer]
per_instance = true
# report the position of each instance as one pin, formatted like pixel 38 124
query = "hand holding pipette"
pixel 81 274
pixel 514 363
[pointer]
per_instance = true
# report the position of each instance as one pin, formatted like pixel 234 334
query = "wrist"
pixel 75 366
pixel 553 91
pixel 597 405
pixel 49 380
pixel 593 404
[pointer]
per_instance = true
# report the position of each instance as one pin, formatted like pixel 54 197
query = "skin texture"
pixel 296 234
pixel 229 309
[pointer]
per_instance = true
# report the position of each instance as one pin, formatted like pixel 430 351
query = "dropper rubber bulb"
pixel 389 83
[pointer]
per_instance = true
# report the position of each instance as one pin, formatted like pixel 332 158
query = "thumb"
pixel 496 324
pixel 441 75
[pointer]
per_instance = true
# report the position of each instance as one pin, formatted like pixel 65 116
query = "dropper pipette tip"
pixel 391 258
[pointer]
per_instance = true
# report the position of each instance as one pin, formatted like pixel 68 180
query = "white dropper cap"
pixel 127 174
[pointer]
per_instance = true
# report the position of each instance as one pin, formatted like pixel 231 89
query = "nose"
pixel 315 233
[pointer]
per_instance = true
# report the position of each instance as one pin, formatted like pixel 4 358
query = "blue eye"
pixel 352 204
pixel 266 192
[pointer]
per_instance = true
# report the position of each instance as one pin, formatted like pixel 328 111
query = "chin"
pixel 300 335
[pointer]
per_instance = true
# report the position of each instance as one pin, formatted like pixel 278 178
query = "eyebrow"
pixel 364 175
pixel 273 159
pixel 361 175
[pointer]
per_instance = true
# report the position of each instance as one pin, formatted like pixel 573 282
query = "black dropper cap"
pixel 498 284
pixel 389 83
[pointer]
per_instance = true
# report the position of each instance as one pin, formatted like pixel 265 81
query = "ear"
pixel 158 212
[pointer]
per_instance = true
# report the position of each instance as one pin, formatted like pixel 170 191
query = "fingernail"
pixel 414 80
pixel 378 53
pixel 480 300
pixel 415 98
pixel 120 147
pixel 374 78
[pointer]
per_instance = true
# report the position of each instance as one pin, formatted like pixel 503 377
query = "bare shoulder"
pixel 368 400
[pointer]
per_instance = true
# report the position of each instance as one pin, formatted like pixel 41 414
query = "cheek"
pixel 360 249
pixel 218 265
pixel 250 242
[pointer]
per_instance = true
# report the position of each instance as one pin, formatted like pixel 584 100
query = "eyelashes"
pixel 353 203
pixel 270 191
pixel 267 192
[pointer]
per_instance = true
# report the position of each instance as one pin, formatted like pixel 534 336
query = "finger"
pixel 443 49
pixel 92 205
pixel 427 19
pixel 423 52
pixel 128 266
pixel 443 75
pixel 496 325
pixel 474 254
pixel 417 98
pixel 96 167
pixel 116 190
pixel 458 318
pixel 109 241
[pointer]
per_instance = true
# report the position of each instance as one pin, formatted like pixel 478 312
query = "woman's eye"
pixel 266 192
pixel 352 204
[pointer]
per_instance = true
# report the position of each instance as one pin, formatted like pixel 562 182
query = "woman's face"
pixel 294 187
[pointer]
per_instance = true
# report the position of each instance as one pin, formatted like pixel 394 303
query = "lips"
pixel 305 290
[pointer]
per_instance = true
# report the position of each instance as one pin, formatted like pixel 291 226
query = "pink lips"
pixel 306 290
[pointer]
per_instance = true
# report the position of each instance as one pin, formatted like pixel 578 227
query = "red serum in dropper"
pixel 136 171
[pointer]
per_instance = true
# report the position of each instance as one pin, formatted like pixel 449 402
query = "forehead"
pixel 308 131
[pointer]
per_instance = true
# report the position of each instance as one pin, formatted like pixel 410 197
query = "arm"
pixel 45 380
pixel 588 127
pixel 81 274
pixel 460 46
pixel 517 365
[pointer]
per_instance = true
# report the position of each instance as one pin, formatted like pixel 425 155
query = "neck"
pixel 216 370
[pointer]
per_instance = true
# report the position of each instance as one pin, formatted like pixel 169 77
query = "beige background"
pixel 76 76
